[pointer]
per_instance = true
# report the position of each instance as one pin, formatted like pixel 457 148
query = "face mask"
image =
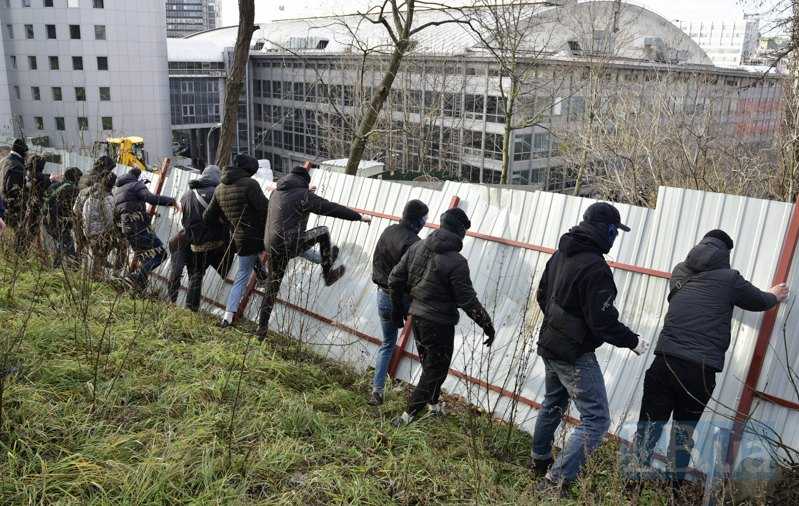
pixel 613 232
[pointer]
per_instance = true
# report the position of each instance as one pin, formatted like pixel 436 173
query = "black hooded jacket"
pixel 60 198
pixel 197 232
pixel 130 198
pixel 697 325
pixel 240 203
pixel 291 204
pixel 437 278
pixel 579 279
pixel 12 184
pixel 393 243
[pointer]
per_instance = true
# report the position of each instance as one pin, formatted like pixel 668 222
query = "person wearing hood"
pixel 58 218
pixel 690 351
pixel 208 245
pixel 12 181
pixel 576 295
pixel 391 246
pixel 130 198
pixel 436 277
pixel 33 196
pixel 292 203
pixel 240 204
pixel 88 181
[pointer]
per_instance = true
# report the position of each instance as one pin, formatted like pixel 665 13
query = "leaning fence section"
pixel 513 235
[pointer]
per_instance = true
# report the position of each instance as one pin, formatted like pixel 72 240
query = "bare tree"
pixel 234 84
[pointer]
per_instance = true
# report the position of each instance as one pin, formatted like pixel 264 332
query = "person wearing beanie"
pixel 690 350
pixel 240 205
pixel 392 244
pixel 12 183
pixel 576 295
pixel 58 219
pixel 287 236
pixel 208 246
pixel 130 198
pixel 435 276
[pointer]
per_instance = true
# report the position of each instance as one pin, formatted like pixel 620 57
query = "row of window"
pixel 51 31
pixel 107 122
pixel 55 63
pixel 104 93
pixel 71 4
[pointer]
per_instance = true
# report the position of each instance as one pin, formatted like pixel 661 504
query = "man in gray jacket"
pixel 693 342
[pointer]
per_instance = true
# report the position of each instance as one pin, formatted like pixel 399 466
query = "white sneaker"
pixel 402 420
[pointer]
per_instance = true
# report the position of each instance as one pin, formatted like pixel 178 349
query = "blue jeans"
pixel 390 331
pixel 312 255
pixel 246 265
pixel 583 383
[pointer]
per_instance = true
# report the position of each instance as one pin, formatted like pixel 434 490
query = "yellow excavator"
pixel 124 150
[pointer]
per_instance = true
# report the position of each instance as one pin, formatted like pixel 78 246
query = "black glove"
pixel 398 318
pixel 491 333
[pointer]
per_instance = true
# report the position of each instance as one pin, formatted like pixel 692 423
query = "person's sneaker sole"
pixel 335 275
pixel 333 255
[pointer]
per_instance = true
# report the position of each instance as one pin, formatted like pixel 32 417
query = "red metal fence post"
pixel 763 337
pixel 399 350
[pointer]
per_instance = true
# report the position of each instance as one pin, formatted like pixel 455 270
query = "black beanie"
pixel 20 147
pixel 456 221
pixel 721 236
pixel 414 210
pixel 103 164
pixel 73 175
pixel 246 163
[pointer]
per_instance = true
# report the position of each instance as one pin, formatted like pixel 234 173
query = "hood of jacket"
pixel 129 177
pixel 443 241
pixel 210 177
pixel 232 174
pixel 585 237
pixel 72 175
pixel 709 255
pixel 298 178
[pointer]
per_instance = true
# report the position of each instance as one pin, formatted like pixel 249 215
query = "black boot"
pixel 334 275
pixel 539 467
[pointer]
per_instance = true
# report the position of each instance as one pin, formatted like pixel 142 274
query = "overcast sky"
pixel 267 10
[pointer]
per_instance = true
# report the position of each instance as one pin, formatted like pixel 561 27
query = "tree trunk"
pixel 235 81
pixel 375 106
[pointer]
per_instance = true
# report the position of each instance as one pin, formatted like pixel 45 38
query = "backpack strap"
pixel 200 199
pixel 678 285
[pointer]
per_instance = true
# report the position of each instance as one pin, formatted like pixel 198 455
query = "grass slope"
pixel 138 411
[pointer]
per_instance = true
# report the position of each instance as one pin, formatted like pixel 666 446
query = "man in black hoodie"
pixel 240 203
pixel 436 277
pixel 12 183
pixel 292 203
pixel 393 243
pixel 208 245
pixel 691 347
pixel 576 295
pixel 130 198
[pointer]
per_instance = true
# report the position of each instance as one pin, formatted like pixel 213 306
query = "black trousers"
pixel 198 263
pixel 278 262
pixel 435 343
pixel 180 257
pixel 677 388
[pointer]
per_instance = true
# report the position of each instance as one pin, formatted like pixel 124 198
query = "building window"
pixel 187 87
pixel 39 122
pixel 13 61
pixel 53 62
pixel 77 63
pixel 80 94
pixel 32 63
pixel 48 3
pixel 522 147
pixel 74 31
pixel 57 93
pixel 474 105
pixel 83 123
pixel 541 142
pixel 17 92
pixel 51 32
pixel 28 31
pixel 35 93
pixel 188 111
pixel 493 146
pixel 99 32
pixel 102 63
pixel 105 93
pixel 495 110
pixel 98 4
pixel 59 123
pixel 26 3
pixel 108 123
pixel 73 4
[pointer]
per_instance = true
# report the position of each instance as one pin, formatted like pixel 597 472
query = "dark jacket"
pixel 393 243
pixel 197 232
pixel 289 208
pixel 436 276
pixel 12 181
pixel 33 195
pixel 130 198
pixel 60 198
pixel 240 203
pixel 697 325
pixel 579 279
